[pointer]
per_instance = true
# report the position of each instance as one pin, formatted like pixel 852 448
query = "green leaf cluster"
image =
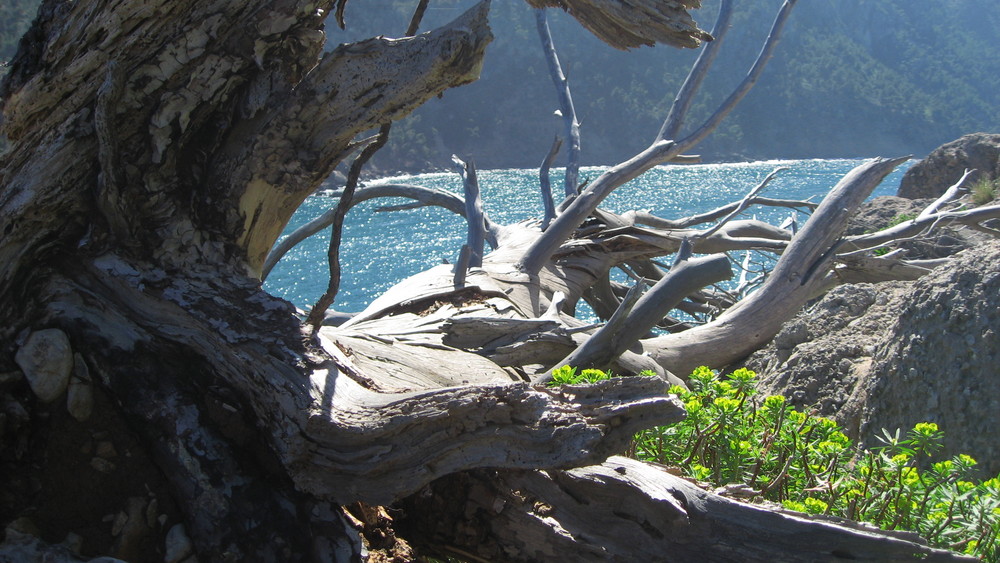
pixel 808 464
pixel 567 375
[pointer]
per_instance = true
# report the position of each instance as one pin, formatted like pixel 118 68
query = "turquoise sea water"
pixel 380 249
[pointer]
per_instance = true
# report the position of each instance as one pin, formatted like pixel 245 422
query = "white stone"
pixel 177 545
pixel 80 393
pixel 46 359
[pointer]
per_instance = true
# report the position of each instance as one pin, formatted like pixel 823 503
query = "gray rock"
pixel 21 546
pixel 895 354
pixel 819 359
pixel 945 165
pixel 46 359
pixel 9 378
pixel 177 545
pixel 949 381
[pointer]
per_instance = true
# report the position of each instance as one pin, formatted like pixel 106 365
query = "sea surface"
pixel 380 249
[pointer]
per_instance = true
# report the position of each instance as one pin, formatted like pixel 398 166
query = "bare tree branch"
pixel 645 218
pixel 914 227
pixel 416 18
pixel 318 312
pixel 422 195
pixel 948 195
pixel 744 203
pixel 799 272
pixel 682 102
pixel 572 126
pixel 473 211
pixel 748 82
pixel 546 185
pixel 660 151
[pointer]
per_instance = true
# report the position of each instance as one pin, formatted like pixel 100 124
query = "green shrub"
pixel 567 375
pixel 900 219
pixel 984 190
pixel 808 464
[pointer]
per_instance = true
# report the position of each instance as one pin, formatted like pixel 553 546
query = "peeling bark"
pixel 626 25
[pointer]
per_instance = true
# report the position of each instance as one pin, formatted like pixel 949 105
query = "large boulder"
pixel 895 354
pixel 945 165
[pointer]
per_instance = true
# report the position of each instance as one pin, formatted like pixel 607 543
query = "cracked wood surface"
pixel 625 510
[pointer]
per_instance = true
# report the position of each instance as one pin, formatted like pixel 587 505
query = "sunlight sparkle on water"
pixel 380 249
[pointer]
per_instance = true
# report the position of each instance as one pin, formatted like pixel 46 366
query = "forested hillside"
pixel 851 78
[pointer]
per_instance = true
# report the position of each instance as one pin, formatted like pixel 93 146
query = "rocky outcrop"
pixel 822 358
pixel 945 165
pixel 939 360
pixel 892 355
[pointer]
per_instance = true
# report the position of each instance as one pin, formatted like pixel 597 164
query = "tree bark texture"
pixel 626 25
pixel 624 510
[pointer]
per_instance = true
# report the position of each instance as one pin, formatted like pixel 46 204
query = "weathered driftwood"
pixel 623 510
pixel 686 276
pixel 259 175
pixel 626 25
pixel 362 444
pixel 802 269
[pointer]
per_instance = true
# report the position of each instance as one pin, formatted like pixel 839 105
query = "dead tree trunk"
pixel 561 516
